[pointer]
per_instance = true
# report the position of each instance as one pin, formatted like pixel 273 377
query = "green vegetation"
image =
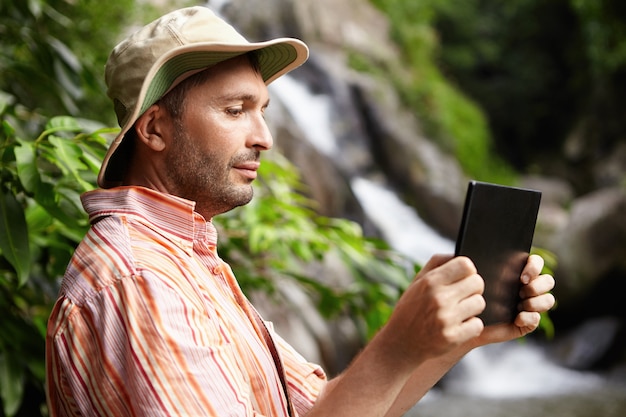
pixel 524 63
pixel 45 163
pixel 41 223
pixel 49 156
pixel 53 52
pixel 542 81
pixel 279 236
pixel 514 81
pixel 448 115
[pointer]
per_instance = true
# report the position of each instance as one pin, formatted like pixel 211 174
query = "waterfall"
pixel 400 225
pixel 310 112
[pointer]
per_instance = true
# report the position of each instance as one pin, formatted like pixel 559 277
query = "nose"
pixel 260 136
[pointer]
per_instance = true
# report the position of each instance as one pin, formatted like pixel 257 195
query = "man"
pixel 151 322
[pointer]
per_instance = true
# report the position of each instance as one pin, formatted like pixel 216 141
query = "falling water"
pixel 311 112
pixel 400 225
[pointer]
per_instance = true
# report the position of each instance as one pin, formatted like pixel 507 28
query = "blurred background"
pixel 401 103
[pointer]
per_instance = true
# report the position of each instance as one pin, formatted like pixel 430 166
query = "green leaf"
pixel 56 205
pixel 93 163
pixel 66 54
pixel 68 155
pixel 11 384
pixel 25 157
pixel 66 123
pixel 14 235
pixel 37 219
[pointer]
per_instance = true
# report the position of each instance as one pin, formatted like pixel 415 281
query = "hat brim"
pixel 276 57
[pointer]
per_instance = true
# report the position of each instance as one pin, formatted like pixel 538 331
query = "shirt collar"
pixel 172 216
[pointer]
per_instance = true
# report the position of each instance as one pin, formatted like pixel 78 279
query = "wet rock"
pixel 589 345
pixel 592 243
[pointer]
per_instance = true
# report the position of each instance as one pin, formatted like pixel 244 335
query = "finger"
pixel 528 320
pixel 464 331
pixel 471 306
pixel 471 328
pixel 533 268
pixel 446 269
pixel 455 269
pixel 436 261
pixel 538 304
pixel 540 285
pixel 525 323
pixel 433 263
pixel 466 287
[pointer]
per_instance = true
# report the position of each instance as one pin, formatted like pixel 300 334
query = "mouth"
pixel 247 169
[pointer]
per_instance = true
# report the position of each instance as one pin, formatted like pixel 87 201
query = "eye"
pixel 235 111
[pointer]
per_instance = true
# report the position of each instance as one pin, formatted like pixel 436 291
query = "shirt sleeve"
pixel 305 380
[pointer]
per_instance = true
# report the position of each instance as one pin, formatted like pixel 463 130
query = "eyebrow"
pixel 243 97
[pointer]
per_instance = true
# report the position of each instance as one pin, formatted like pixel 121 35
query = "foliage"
pixel 449 116
pixel 42 219
pixel 52 52
pixel 279 236
pixel 549 74
pixel 525 56
pixel 543 81
pixel 604 33
pixel 603 30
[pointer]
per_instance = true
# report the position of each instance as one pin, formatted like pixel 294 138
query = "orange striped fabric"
pixel 151 322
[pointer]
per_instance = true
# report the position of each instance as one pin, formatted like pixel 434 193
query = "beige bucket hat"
pixel 150 62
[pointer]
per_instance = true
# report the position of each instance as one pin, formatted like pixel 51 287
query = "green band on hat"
pixel 271 60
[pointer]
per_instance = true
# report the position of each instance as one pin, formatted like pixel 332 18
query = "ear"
pixel 152 127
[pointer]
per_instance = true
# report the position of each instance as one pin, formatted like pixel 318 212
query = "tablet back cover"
pixel 496 233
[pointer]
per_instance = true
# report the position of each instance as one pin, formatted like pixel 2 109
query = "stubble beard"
pixel 203 176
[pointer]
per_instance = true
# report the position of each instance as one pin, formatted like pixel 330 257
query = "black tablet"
pixel 496 233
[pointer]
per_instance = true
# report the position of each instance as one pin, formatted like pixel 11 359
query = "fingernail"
pixel 525 278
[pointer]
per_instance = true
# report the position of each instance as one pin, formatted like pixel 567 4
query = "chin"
pixel 242 196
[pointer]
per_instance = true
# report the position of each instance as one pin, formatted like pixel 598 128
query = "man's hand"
pixel 536 299
pixel 433 325
pixel 437 312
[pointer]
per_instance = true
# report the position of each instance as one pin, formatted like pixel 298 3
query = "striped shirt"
pixel 151 322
